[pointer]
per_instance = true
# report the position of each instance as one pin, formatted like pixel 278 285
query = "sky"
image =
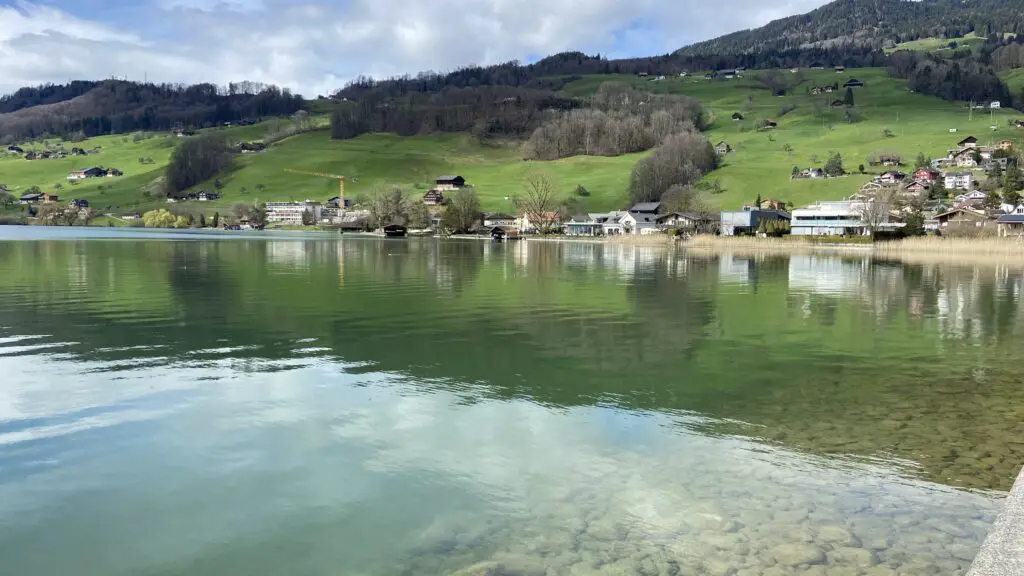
pixel 315 47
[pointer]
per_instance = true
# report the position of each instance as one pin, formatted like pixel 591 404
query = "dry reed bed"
pixel 929 250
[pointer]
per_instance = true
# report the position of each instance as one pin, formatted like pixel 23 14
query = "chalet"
pixel 50 198
pixel 111 172
pixel 84 173
pixel 829 89
pixel 723 148
pixel 80 204
pixel 737 116
pixel 1018 123
pixel 837 104
pixel 812 173
pixel 995 105
pixel 131 216
pixel 853 83
pixel 958 180
pixel 31 197
pixel 692 222
pixel 498 219
pixel 205 196
pixel 1004 145
pixel 449 183
pixel 17 149
pixel 961 216
pixel 925 175
pixel 817 66
pixel 840 69
pixel 645 208
pixel 890 178
pixel 433 198
pixel 917 187
pixel 770 123
pixel 969 142
pixel 965 158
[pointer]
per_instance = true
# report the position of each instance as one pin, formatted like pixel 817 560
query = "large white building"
pixel 829 219
pixel 291 212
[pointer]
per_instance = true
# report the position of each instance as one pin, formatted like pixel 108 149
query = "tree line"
pixel 966 80
pixel 486 111
pixel 115 107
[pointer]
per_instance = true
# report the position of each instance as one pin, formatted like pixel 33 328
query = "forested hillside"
pixel 872 23
pixel 84 109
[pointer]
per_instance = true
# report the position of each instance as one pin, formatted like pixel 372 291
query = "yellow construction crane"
pixel 340 179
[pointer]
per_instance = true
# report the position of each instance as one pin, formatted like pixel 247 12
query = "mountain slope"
pixel 873 23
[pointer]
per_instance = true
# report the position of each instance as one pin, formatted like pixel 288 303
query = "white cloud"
pixel 314 48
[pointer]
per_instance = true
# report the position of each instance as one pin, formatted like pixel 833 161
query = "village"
pixel 952 194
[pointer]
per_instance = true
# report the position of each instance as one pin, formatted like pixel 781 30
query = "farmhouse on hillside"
pixel 969 142
pixel 840 69
pixel 433 198
pixel 723 148
pixel 449 183
pixel 853 83
pixel 84 173
pixel 737 116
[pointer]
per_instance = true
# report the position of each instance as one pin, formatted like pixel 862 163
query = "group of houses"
pixel 52 154
pixel 199 196
pixel 93 172
pixel 956 172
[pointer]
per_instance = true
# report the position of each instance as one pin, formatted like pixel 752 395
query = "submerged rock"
pixel 795 554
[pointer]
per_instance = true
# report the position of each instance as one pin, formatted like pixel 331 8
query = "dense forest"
pixel 114 106
pixel 871 23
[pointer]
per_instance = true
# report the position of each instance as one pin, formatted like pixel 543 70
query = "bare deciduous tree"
pixel 876 208
pixel 388 205
pixel 681 159
pixel 538 199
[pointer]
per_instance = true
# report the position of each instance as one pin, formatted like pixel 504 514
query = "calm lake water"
pixel 196 404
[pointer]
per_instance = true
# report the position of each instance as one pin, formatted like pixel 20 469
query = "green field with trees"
pixel 884 118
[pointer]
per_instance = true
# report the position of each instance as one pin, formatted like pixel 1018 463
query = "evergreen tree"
pixel 202 220
pixel 1013 179
pixel 848 97
pixel 921 161
pixel 757 201
pixel 216 219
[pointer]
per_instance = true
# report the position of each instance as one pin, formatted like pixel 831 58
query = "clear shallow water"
pixel 316 406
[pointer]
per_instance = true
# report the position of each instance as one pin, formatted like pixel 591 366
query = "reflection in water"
pixel 311 406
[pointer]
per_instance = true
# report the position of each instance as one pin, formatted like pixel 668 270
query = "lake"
pixel 309 404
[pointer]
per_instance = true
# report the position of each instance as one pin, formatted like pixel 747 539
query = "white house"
pixel 995 105
pixel 611 224
pixel 958 180
pixel 633 223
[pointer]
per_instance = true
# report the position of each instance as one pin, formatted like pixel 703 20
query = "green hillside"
pixel 760 164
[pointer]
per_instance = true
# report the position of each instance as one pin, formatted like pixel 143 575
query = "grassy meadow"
pixel 760 164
